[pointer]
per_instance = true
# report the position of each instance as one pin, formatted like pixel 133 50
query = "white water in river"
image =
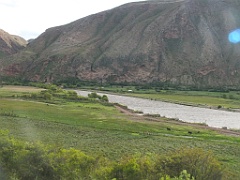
pixel 213 118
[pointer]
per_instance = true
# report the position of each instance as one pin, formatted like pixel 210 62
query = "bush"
pixel 24 161
pixel 224 96
pixel 200 164
pixel 231 96
pixel 35 161
pixel 20 160
pixel 47 96
pixel 94 96
pixel 71 164
pixel 72 95
pixel 183 176
pixel 127 169
pixel 104 98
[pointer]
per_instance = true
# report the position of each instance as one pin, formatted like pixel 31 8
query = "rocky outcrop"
pixel 10 44
pixel 183 43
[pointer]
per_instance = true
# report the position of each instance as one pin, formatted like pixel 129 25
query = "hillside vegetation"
pixel 171 43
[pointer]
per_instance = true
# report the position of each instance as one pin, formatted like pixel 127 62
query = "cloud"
pixel 8 3
pixel 28 34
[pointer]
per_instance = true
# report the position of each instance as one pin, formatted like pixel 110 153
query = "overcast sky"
pixel 30 18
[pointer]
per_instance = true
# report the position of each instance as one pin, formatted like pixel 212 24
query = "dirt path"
pixel 148 119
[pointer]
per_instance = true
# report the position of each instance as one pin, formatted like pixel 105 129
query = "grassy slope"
pixel 98 129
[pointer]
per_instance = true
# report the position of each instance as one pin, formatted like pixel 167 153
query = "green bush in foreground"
pixel 19 160
pixel 200 164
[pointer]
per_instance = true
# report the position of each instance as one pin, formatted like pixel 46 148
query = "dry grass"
pixel 21 89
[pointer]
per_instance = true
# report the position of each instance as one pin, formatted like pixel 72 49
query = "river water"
pixel 213 118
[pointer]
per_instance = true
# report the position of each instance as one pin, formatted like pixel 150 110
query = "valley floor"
pixel 98 128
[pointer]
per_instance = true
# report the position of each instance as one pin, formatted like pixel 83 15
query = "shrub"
pixel 104 98
pixel 23 160
pixel 128 169
pixel 94 96
pixel 71 164
pixel 231 96
pixel 224 96
pixel 200 164
pixel 35 161
pixel 72 95
pixel 47 96
pixel 20 160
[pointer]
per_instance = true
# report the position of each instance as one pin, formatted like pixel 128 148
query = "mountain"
pixel 10 44
pixel 181 43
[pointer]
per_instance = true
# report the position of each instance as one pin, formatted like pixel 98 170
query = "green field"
pixel 100 129
pixel 213 100
pixel 227 100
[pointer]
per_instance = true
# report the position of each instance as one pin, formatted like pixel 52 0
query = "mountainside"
pixel 10 44
pixel 164 42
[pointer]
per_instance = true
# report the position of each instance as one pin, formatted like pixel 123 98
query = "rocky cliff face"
pixel 175 42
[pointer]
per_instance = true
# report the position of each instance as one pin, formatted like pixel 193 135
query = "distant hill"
pixel 10 44
pixel 182 43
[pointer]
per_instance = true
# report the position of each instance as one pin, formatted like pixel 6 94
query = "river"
pixel 212 117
